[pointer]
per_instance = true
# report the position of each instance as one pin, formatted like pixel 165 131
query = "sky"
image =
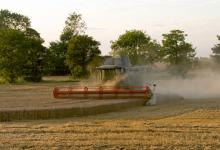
pixel 107 19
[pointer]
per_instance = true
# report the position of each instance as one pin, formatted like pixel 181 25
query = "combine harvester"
pixel 112 68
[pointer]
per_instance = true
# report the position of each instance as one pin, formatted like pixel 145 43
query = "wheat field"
pixel 185 124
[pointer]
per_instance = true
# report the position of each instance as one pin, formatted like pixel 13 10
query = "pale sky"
pixel 107 19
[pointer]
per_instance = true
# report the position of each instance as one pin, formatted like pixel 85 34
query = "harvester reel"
pixel 103 92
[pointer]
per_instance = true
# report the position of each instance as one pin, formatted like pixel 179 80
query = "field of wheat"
pixel 187 124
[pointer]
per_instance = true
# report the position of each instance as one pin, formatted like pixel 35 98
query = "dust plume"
pixel 199 84
pixel 204 84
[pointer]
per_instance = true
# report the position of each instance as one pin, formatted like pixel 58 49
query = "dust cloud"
pixel 199 84
pixel 195 88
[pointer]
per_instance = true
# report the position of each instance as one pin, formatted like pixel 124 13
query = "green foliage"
pixel 216 52
pixel 179 54
pixel 21 50
pixel 13 21
pixel 11 54
pixel 33 34
pixel 150 53
pixel 57 55
pixel 81 51
pixel 36 54
pixel 140 48
pixel 74 25
pixel 19 55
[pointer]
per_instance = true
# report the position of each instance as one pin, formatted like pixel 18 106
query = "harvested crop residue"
pixel 180 127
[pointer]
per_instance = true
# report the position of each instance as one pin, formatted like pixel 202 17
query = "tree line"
pixel 23 56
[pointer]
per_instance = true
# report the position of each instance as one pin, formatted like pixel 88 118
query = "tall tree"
pixel 74 25
pixel 21 50
pixel 81 51
pixel 216 51
pixel 179 54
pixel 140 48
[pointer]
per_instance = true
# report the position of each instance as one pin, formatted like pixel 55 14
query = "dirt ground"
pixel 171 124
